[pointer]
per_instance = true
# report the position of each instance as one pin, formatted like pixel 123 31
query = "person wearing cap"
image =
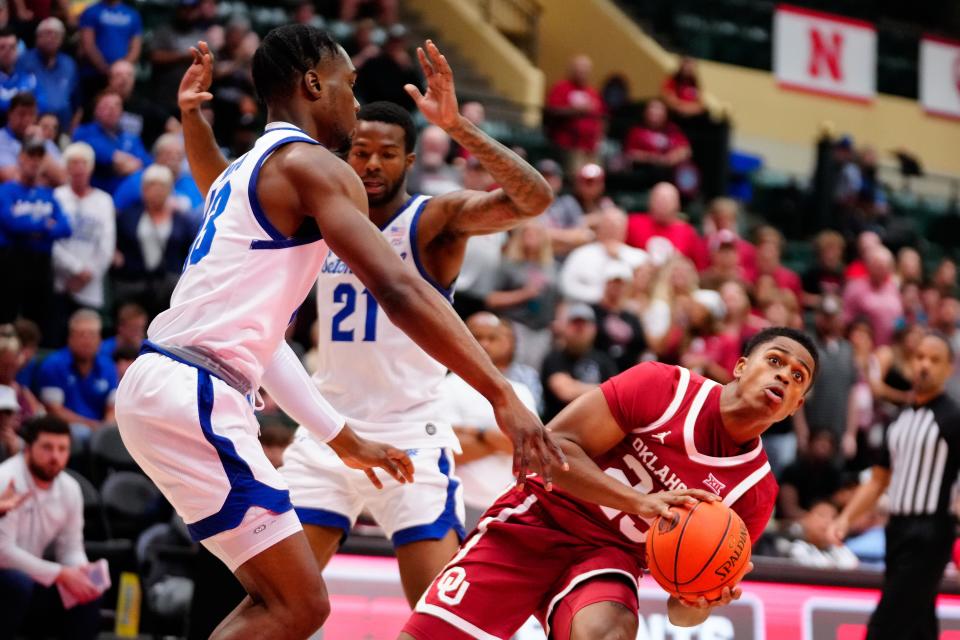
pixel 619 331
pixel 582 277
pixel 663 221
pixel 570 217
pixel 576 367
pixel 55 71
pixel 30 221
pixel 575 112
pixel 10 442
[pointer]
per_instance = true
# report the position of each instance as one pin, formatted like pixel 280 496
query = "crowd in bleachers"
pixel 98 211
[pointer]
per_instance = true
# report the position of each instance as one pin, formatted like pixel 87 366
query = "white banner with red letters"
pixel 940 76
pixel 824 53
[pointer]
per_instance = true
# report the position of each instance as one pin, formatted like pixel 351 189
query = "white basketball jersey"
pixel 243 280
pixel 369 370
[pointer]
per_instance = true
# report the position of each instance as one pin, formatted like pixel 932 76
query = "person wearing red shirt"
pixel 576 111
pixel 769 248
pixel 681 91
pixel 660 151
pixel 662 222
pixel 722 220
pixel 652 437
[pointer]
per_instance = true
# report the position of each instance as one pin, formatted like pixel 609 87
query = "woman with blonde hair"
pixel 525 291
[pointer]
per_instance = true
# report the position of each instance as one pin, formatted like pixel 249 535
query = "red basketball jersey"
pixel 674 439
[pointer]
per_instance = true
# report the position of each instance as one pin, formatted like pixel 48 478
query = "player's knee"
pixel 304 616
pixel 317 611
pixel 611 622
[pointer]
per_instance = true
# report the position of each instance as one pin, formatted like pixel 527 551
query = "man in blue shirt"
pixel 109 31
pixel 118 153
pixel 20 117
pixel 169 152
pixel 14 80
pixel 56 72
pixel 30 220
pixel 76 383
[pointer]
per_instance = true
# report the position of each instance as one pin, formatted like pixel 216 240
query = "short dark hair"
pixel 391 113
pixel 125 353
pixel 22 99
pixel 285 54
pixel 8 32
pixel 942 337
pixel 32 429
pixel 768 334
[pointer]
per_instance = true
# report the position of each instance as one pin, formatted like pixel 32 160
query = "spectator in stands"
pixel 10 441
pixel 770 244
pixel 15 79
pixel 697 339
pixel 740 321
pixel 431 173
pixel 582 277
pixel 525 291
pixel 122 358
pixel 51 519
pixel 364 44
pixel 170 44
pixel 893 381
pixel 876 298
pixel 12 360
pixel 131 330
pixel 28 333
pixel 152 244
pixel 724 261
pixel 871 199
pixel 118 153
pixel 28 14
pixel 55 71
pixel 813 477
pixel 857 268
pixel 384 76
pixel 485 463
pixel 576 367
pixel 142 117
pixel 235 102
pixel 575 113
pixel 80 262
pixel 30 221
pixel 21 116
pixel 825 276
pixel 168 152
pixel 619 332
pixel 661 232
pixel 909 267
pixel 723 215
pixel 48 129
pixel 76 383
pixel 805 541
pixel 681 91
pixel 864 419
pixel 383 11
pixel 109 31
pixel 571 217
pixel 660 150
pixel 945 277
pixel 478 274
pixel 849 180
pixel 517 371
pixel 304 12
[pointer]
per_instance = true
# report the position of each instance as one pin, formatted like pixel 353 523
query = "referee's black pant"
pixel 918 549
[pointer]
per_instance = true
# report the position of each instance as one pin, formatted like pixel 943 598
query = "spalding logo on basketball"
pixel 698 550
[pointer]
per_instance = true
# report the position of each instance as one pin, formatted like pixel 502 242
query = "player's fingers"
pixel 424 62
pixel 700 494
pixel 390 467
pixel 205 96
pixel 736 593
pixel 413 92
pixel 544 456
pixel 373 478
pixel 403 462
pixel 678 499
pixel 749 568
pixel 556 452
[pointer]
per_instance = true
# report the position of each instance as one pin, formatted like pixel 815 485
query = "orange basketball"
pixel 699 550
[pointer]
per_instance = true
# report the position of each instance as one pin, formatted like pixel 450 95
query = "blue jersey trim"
pixel 415 252
pixel 448 519
pixel 245 490
pixel 286 243
pixel 399 211
pixel 258 211
pixel 324 518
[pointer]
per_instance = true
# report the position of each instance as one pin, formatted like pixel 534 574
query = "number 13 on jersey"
pixel 346 294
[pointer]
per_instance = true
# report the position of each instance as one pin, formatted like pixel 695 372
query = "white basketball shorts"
pixel 196 437
pixel 325 492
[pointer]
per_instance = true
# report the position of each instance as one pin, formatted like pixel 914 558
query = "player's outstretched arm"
pixel 523 192
pixel 335 195
pixel 586 429
pixel 203 154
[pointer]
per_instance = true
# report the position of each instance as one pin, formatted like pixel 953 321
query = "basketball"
pixel 698 550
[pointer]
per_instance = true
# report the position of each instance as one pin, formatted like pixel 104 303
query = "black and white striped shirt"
pixel 922 450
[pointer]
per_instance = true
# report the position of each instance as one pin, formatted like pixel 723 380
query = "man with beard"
pixel 50 517
pixel 917 469
pixel 385 385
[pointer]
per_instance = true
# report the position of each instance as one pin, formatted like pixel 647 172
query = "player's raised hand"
pixel 439 105
pixel 367 455
pixel 651 505
pixel 197 80
pixel 533 448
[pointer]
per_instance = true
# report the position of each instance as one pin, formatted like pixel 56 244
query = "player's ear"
pixel 411 158
pixel 311 84
pixel 738 368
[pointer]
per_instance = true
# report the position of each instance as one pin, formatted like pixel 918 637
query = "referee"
pixel 917 468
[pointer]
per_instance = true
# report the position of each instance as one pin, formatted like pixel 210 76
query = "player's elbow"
pixel 539 199
pixel 395 293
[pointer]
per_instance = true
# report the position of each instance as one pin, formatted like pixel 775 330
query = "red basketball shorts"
pixel 518 563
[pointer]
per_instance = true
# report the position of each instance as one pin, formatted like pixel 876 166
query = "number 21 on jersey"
pixel 346 294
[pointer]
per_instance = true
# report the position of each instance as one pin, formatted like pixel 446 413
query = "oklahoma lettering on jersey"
pixel 243 280
pixel 674 439
pixel 359 348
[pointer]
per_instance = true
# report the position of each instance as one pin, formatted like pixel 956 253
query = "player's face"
pixel 378 155
pixel 775 378
pixel 337 107
pixel 931 365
